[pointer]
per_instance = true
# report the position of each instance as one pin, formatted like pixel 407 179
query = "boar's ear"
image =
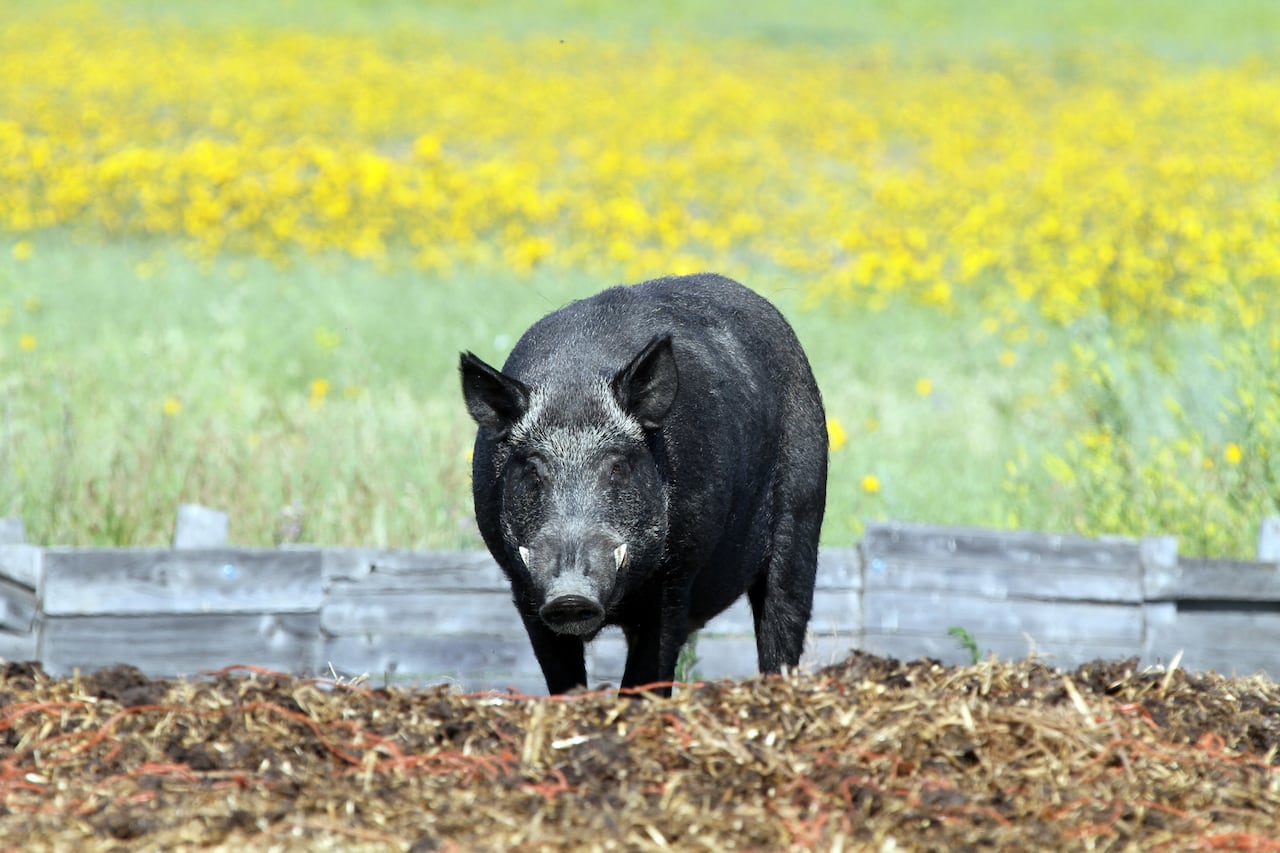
pixel 495 400
pixel 646 387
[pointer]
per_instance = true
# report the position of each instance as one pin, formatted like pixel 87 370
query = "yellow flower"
pixel 172 407
pixel 319 389
pixel 27 342
pixel 327 339
pixel 1008 358
pixel 22 250
pixel 871 484
pixel 924 386
pixel 836 436
pixel 1232 454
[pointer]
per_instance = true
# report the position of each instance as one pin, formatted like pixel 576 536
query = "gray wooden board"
pixel 401 569
pixel 839 568
pixel 17 607
pixel 525 684
pixel 948 649
pixel 200 527
pixel 1221 580
pixel 12 531
pixel 352 609
pixel 724 657
pixel 607 657
pixel 995 563
pixel 930 613
pixel 21 564
pixel 1009 580
pixel 717 656
pixel 181 644
pixel 426 657
pixel 157 581
pixel 1229 661
pixel 1216 629
pixel 17 647
pixel 833 610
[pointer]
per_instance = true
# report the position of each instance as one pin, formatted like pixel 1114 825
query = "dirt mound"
pixel 869 753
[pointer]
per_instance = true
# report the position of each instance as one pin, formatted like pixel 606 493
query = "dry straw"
pixel 867 754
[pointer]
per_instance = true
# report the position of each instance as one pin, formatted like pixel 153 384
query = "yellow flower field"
pixel 1076 249
pixel 1071 182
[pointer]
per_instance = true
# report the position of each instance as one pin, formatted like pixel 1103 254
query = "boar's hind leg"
pixel 562 657
pixel 782 597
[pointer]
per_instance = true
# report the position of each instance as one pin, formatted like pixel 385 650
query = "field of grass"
pixel 1035 259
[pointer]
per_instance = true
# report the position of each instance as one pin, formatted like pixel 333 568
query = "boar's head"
pixel 577 462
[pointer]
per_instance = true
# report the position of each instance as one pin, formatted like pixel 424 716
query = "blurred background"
pixel 1032 249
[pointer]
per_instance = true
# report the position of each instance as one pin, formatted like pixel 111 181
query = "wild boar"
pixel 644 457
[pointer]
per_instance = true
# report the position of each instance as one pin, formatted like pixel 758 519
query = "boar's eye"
pixel 619 471
pixel 535 473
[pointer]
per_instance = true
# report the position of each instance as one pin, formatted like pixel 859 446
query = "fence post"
pixel 1159 558
pixel 200 527
pixel 12 532
pixel 1269 540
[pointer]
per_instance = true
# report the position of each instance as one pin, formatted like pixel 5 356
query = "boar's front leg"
pixel 562 656
pixel 653 646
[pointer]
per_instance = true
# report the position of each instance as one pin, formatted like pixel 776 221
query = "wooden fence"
pixel 422 617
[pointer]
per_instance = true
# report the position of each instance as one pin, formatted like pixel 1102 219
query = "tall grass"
pixel 1036 279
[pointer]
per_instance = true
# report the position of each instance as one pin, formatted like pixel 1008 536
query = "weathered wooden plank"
pixel 606 657
pixel 718 656
pixel 839 568
pixel 833 610
pixel 736 619
pixel 353 610
pixel 1219 629
pixel 17 607
pixel 825 649
pixel 200 527
pixel 181 644
pixel 724 657
pixel 22 564
pixel 948 649
pixel 409 570
pixel 991 562
pixel 15 646
pixel 1220 580
pixel 12 531
pixel 158 581
pixel 422 658
pixel 1269 539
pixel 1009 581
pixel 1225 642
pixel 836 611
pixel 931 613
pixel 1231 662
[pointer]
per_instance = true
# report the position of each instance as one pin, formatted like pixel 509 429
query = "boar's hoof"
pixel 572 614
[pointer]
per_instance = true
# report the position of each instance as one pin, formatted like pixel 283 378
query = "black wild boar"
pixel 644 457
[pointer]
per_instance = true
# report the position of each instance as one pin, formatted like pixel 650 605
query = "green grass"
pixel 1183 28
pixel 90 457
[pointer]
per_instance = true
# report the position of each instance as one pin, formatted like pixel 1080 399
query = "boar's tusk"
pixel 527 556
pixel 620 556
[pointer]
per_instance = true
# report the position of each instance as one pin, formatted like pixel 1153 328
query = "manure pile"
pixel 866 754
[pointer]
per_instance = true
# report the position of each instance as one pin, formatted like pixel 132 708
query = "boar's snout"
pixel 572 614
